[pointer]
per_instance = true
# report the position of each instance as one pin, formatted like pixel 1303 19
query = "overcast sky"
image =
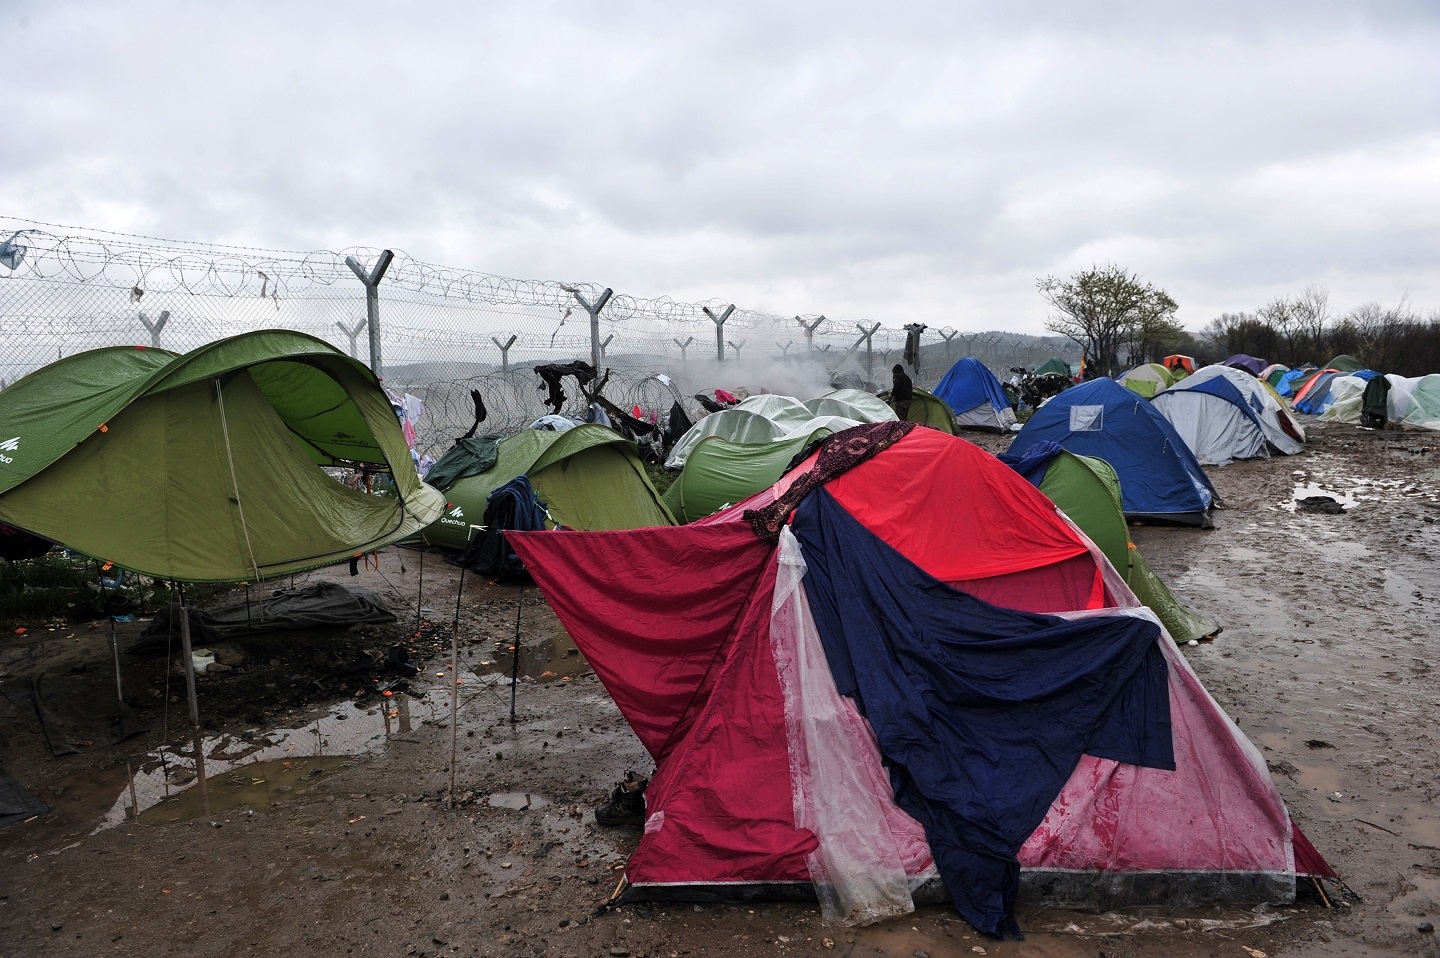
pixel 893 161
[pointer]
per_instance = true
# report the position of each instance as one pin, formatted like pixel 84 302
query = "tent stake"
pixel 515 663
pixel 454 682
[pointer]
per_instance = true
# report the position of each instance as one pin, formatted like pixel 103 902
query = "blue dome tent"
pixel 976 396
pixel 1160 478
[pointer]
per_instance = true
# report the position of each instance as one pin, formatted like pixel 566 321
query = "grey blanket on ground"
pixel 17 804
pixel 321 605
pixel 76 711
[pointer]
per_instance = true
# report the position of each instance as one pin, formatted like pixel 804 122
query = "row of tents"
pixel 904 667
pixel 1342 390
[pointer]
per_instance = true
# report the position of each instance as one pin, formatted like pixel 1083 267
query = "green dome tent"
pixel 1345 363
pixel 207 467
pixel 590 478
pixel 720 473
pixel 1087 490
pixel 930 410
pixel 1148 380
pixel 1054 365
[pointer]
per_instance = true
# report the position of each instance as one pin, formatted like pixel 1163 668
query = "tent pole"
pixel 515 662
pixel 189 660
pixel 115 648
pixel 114 642
pixel 455 682
pixel 195 735
pixel 420 591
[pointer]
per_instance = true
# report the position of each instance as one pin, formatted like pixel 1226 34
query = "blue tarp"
pixel 969 384
pixel 1286 385
pixel 1315 400
pixel 1159 475
pixel 1319 399
pixel 981 713
pixel 1034 462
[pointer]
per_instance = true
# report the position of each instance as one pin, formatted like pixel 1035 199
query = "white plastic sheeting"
pixel 1415 402
pixel 1346 399
pixel 870 855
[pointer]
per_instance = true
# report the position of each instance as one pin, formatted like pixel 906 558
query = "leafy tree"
pixel 1104 308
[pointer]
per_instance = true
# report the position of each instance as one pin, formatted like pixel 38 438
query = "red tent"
pixel 687 631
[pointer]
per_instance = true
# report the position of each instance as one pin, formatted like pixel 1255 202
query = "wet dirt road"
pixel 1325 662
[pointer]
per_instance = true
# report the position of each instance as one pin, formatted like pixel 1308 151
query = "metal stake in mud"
pixel 455 678
pixel 196 735
pixel 114 640
pixel 420 590
pixel 515 663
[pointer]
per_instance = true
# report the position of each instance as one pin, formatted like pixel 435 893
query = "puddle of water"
pixel 1326 779
pixel 1310 490
pixel 546 658
pixel 1248 555
pixel 254 785
pixel 257 768
pixel 1401 589
pixel 517 800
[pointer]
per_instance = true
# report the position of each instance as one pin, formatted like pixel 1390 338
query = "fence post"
pixel 810 331
pixel 737 346
pixel 604 344
pixel 949 334
pixel 594 310
pixel 785 348
pixel 683 346
pixel 372 302
pixel 866 335
pixel 504 352
pixel 719 322
pixel 155 327
pixel 354 335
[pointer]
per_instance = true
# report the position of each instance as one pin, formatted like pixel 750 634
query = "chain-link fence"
pixel 437 333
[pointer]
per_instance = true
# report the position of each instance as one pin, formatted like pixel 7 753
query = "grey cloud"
pixel 925 161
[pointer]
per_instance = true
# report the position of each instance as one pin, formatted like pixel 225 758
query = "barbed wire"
pixel 444 331
pixel 143 264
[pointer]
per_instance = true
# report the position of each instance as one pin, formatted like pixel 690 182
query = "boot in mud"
pixel 627 803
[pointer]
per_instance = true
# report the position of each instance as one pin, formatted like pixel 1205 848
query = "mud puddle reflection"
pixel 543 658
pixel 258 768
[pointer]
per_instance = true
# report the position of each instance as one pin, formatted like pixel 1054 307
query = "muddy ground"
pixel 330 830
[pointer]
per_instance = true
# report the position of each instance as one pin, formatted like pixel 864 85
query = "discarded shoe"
pixel 627 803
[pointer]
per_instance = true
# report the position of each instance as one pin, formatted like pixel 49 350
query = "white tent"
pixel 769 418
pixel 1415 402
pixel 1347 395
pixel 1224 414
pixel 852 404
